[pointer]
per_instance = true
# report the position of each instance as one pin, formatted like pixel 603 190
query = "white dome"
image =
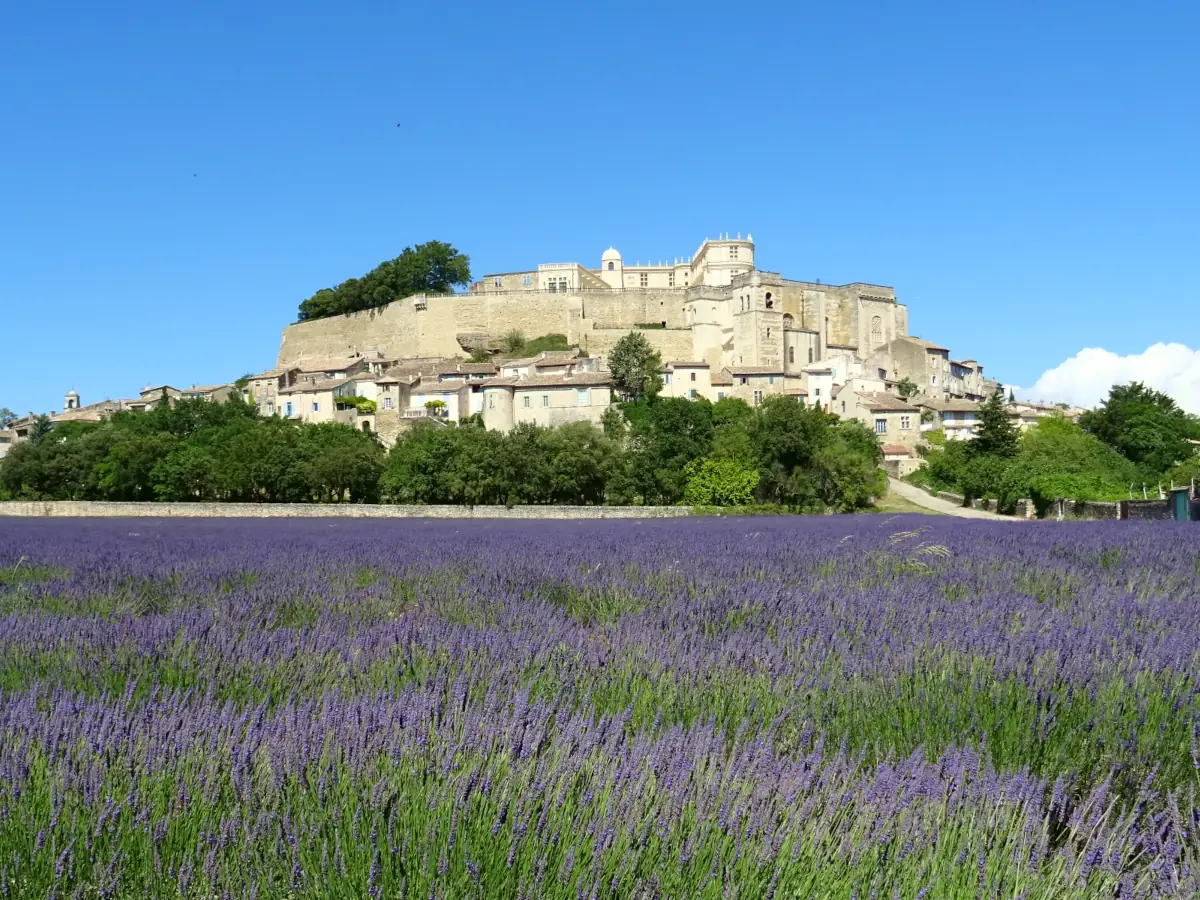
pixel 610 254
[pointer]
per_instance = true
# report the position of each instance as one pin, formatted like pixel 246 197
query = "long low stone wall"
pixel 90 509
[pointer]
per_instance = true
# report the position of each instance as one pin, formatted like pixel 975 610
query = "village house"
pixel 546 399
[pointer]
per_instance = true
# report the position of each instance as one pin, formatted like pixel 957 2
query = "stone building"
pixel 714 306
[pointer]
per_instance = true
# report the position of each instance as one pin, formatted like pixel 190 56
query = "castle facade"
pixel 714 306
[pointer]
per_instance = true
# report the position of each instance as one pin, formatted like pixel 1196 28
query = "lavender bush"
pixel 790 708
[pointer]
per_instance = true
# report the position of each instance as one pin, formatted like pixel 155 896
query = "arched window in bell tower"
pixel 611 265
pixel 876 330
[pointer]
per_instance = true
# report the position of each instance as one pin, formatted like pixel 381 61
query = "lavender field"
pixel 844 707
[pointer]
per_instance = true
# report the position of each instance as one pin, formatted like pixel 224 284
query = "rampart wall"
pixel 408 328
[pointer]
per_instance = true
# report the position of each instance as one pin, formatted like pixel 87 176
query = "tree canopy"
pixel 636 367
pixel 1144 425
pixel 432 268
pixel 195 450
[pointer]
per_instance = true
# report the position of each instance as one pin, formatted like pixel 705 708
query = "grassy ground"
pixel 893 503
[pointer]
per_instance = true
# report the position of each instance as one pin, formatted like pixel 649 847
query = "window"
pixel 843 406
pixel 881 426
pixel 770 302
pixel 498 281
pixel 670 279
pixel 883 374
pixel 733 252
pixel 788 321
pixel 526 402
pixel 666 378
pixel 933 379
pixel 770 379
pixel 904 423
pixel 876 330
pixel 562 285
pixel 491 401
pixel 583 397
pixel 526 279
pixel 757 397
pixel 817 393
pixel 316 406
pixel 552 286
pixel 742 379
pixel 644 280
pixel 692 394
pixel 810 354
pixel 387 402
pixel 545 399
pixel 611 266
pixel 693 376
pixel 288 408
pixel 720 395
pixel 768 334
pixel 270 409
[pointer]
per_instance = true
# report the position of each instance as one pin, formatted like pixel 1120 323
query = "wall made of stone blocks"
pixel 1147 509
pixel 88 509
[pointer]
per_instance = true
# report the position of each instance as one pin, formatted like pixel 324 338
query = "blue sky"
pixel 176 177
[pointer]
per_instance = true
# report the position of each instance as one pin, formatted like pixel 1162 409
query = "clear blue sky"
pixel 176 177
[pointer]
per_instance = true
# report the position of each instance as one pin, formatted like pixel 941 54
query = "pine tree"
pixel 997 436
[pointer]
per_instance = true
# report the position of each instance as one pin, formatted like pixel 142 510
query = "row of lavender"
pixel 850 707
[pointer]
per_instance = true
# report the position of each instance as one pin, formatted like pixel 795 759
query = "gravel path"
pixel 937 504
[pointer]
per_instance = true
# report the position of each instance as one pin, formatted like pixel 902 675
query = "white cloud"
pixel 1085 378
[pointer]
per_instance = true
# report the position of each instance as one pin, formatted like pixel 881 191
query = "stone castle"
pixel 714 307
pixel 723 328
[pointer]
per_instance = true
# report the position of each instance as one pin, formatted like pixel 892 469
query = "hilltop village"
pixel 723 327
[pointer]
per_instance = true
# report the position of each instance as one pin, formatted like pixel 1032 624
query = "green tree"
pixel 1145 426
pixel 786 436
pixel 664 436
pixel 1012 398
pixel 342 463
pixel 7 416
pixel 636 367
pixel 906 388
pixel 40 428
pixel 719 482
pixel 514 342
pixel 432 268
pixel 996 434
pixel 188 472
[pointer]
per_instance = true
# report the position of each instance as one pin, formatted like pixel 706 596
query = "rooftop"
pixel 754 370
pixel 877 402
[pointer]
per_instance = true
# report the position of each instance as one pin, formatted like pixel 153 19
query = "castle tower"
pixel 71 401
pixel 612 269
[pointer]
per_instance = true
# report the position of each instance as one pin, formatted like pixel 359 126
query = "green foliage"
pixel 530 465
pixel 480 355
pixel 1056 458
pixel 432 268
pixel 546 343
pixel 362 404
pixel 514 342
pixel 996 435
pixel 7 416
pixel 719 482
pixel 194 450
pixel 906 388
pixel 40 429
pixel 650 326
pixel 1145 426
pixel 1185 472
pixel 636 367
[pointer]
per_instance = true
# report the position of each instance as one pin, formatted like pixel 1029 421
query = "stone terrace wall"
pixel 90 509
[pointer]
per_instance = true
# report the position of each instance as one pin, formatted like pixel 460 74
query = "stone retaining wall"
pixel 88 509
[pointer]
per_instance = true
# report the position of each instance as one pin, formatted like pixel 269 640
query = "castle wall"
pixel 401 329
